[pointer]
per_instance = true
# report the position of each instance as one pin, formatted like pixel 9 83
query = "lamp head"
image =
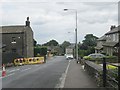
pixel 65 9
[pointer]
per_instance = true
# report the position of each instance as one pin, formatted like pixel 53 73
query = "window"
pixel 13 39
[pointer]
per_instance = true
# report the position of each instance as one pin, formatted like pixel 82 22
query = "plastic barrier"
pixel 32 60
pixel 19 61
pixel 36 60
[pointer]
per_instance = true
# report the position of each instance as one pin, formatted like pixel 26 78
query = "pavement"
pixel 77 77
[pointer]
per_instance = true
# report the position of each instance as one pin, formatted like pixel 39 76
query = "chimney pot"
pixel 28 22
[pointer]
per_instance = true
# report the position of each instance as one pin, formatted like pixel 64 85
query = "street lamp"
pixel 75 31
pixel 118 57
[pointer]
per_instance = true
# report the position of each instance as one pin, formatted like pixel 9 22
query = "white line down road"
pixel 63 77
pixel 25 69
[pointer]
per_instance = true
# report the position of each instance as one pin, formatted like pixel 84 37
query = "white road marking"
pixel 7 75
pixel 25 69
pixel 36 65
pixel 10 74
pixel 14 70
pixel 63 78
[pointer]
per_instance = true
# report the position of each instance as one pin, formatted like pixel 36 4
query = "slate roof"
pixel 98 47
pixel 103 38
pixel 115 30
pixel 13 29
pixel 111 44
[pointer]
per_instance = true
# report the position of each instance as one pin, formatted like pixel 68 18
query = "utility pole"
pixel 76 44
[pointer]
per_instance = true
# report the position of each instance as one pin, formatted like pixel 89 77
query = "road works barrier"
pixel 27 61
pixel 35 60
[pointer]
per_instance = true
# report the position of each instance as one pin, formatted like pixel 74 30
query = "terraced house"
pixel 108 43
pixel 17 41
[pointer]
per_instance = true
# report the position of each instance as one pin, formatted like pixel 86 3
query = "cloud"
pixel 49 21
pixel 51 1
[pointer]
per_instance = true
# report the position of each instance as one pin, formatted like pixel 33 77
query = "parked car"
pixel 94 56
pixel 69 56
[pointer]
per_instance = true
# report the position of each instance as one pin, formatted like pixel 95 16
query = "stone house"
pixel 108 44
pixel 18 41
pixel 100 42
pixel 111 44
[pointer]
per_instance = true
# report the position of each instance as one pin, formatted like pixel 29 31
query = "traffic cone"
pixel 3 71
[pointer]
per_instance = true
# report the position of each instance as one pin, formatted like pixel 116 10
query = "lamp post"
pixel 118 57
pixel 75 32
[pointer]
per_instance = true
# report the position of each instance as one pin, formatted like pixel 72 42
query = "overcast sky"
pixel 49 21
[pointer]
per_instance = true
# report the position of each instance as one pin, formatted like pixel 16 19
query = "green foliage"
pixel 90 40
pixel 110 59
pixel 43 51
pixel 82 53
pixel 40 51
pixel 36 51
pixel 87 47
pixel 64 45
pixel 51 43
pixel 85 52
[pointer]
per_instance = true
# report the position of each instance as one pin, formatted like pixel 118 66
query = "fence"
pixel 110 76
pixel 94 70
pixel 104 75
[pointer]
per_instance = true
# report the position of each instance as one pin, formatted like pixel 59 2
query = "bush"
pixel 40 51
pixel 110 59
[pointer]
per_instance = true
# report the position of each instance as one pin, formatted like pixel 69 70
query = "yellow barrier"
pixel 18 61
pixel 32 60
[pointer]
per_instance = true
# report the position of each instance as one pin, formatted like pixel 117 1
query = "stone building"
pixel 100 42
pixel 111 44
pixel 18 41
pixel 108 43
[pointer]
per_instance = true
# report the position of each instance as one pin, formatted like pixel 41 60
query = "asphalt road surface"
pixel 46 75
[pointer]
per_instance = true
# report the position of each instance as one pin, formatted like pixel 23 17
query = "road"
pixel 48 75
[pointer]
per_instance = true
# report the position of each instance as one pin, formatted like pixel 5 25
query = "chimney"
pixel 27 22
pixel 112 27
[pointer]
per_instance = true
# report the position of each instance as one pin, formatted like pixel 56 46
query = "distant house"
pixel 70 49
pixel 55 50
pixel 100 42
pixel 18 42
pixel 109 42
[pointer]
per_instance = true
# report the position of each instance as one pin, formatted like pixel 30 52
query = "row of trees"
pixel 42 49
pixel 85 48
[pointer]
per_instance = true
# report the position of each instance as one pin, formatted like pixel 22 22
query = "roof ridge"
pixel 13 26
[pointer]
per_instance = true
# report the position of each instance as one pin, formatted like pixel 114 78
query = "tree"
pixel 40 51
pixel 87 47
pixel 64 45
pixel 90 40
pixel 51 43
pixel 35 42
